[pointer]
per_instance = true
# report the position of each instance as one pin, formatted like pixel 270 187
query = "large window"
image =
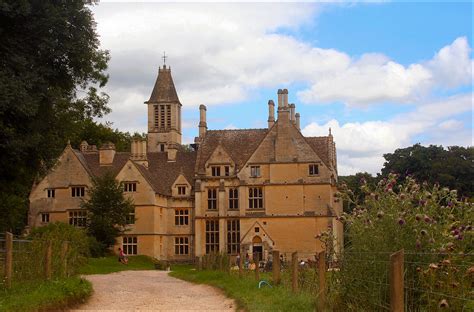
pixel 234 198
pixel 255 198
pixel 181 190
pixel 130 244
pixel 181 217
pixel 130 186
pixel 212 199
pixel 45 217
pixel 254 171
pixel 226 171
pixel 233 236
pixel 181 245
pixel 212 236
pixel 78 191
pixel 78 218
pixel 313 169
pixel 216 171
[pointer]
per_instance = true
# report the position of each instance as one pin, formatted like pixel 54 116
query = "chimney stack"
pixel 83 147
pixel 271 113
pixel 202 120
pixel 297 117
pixel 106 154
pixel 292 113
pixel 172 151
pixel 280 98
pixel 284 95
pixel 138 152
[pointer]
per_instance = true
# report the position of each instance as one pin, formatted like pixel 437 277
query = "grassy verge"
pixel 111 264
pixel 245 290
pixel 45 295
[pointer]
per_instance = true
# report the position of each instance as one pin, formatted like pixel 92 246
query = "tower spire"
pixel 164 57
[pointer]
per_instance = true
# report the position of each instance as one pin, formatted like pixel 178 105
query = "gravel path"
pixel 152 291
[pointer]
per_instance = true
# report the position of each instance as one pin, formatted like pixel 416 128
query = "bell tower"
pixel 164 113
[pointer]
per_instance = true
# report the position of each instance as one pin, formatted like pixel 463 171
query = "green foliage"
pixel 111 264
pixel 51 69
pixel 108 210
pixel 353 183
pixel 430 223
pixel 57 233
pixel 52 295
pixel 451 167
pixel 246 292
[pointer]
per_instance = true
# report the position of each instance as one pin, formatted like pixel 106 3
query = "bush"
pixel 433 227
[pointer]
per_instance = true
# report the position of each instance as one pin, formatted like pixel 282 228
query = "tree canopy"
pixel 108 210
pixel 51 70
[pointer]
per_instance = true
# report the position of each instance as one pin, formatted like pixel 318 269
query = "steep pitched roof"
pixel 239 144
pixel 92 162
pixel 320 146
pixel 162 174
pixel 164 90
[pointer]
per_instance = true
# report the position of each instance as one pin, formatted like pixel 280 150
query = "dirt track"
pixel 152 291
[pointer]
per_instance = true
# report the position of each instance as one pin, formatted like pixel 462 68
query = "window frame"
pixel 226 171
pixel 255 171
pixel 233 236
pixel 233 198
pixel 181 217
pixel 212 236
pixel 130 218
pixel 45 217
pixel 51 193
pixel 212 203
pixel 311 171
pixel 77 218
pixel 181 246
pixel 181 188
pixel 129 187
pixel 78 191
pixel 215 171
pixel 256 197
pixel 130 244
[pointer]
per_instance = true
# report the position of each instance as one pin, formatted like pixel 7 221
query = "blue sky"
pixel 381 75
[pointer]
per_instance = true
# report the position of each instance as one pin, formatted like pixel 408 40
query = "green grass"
pixel 111 264
pixel 245 290
pixel 45 295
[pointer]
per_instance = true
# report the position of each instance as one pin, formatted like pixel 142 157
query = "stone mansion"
pixel 247 190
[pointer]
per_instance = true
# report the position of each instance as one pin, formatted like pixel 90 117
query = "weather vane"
pixel 164 58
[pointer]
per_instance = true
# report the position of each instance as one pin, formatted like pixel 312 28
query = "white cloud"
pixel 360 146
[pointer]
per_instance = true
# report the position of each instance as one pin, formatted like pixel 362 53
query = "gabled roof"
pixel 164 90
pixel 320 146
pixel 239 144
pixel 92 162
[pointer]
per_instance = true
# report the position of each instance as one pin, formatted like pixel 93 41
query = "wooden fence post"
pixel 64 248
pixel 276 267
pixel 294 271
pixel 322 280
pixel 47 262
pixel 396 281
pixel 8 259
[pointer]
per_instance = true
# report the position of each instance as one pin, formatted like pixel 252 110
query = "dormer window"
pixel 51 193
pixel 130 186
pixel 254 171
pixel 313 169
pixel 181 190
pixel 216 171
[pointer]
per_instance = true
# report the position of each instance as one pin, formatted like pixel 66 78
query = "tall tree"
pixel 108 210
pixel 51 68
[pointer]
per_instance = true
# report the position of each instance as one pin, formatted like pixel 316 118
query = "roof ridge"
pixel 243 129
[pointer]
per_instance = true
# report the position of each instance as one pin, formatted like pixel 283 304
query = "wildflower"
pixel 431 241
pixel 418 244
pixel 401 221
pixel 380 214
pixel 443 304
pixel 427 219
pixel 418 217
pixel 450 204
pixel 446 262
pixel 423 232
pixel 402 196
pixel 433 266
pixel 422 203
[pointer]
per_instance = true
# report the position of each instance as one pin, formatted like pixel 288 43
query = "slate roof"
pixel 239 144
pixel 164 90
pixel 92 162
pixel 320 146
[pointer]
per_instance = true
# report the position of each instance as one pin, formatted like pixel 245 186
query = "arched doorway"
pixel 257 249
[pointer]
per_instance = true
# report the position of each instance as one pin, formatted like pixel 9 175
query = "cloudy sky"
pixel 381 75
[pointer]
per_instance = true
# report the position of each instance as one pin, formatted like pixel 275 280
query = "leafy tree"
pixel 451 167
pixel 108 210
pixel 353 183
pixel 51 69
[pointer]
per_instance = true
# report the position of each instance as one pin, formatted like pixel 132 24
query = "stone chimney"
pixel 172 151
pixel 138 152
pixel 297 117
pixel 292 113
pixel 83 147
pixel 271 114
pixel 280 98
pixel 106 154
pixel 202 120
pixel 284 95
